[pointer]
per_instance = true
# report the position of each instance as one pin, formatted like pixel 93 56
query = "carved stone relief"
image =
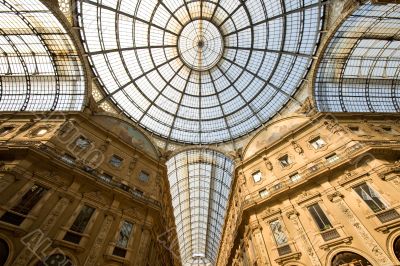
pixel 307 246
pixel 368 240
pixel 34 242
pixel 99 242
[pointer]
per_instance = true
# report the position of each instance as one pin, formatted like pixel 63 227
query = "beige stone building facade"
pixel 82 190
pixel 312 190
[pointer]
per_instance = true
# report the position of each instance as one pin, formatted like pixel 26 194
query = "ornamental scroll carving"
pixel 37 237
pixel 261 251
pixel 307 245
pixel 99 242
pixel 368 240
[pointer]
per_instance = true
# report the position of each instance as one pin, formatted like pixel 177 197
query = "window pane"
pixel 319 217
pixel 279 234
pixel 257 176
pixel 116 161
pixel 370 197
pixel 318 143
pixel 82 220
pixel 143 176
pixel 124 234
pixel 30 199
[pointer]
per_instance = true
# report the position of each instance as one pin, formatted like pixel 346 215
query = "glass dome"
pixel 200 71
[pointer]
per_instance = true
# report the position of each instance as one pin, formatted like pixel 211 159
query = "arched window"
pixel 396 247
pixel 348 258
pixel 56 260
pixel 4 252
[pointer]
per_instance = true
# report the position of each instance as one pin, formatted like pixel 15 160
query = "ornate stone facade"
pixel 60 161
pixel 330 156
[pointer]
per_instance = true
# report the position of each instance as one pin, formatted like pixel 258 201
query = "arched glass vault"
pixel 200 71
pixel 39 67
pixel 200 182
pixel 360 69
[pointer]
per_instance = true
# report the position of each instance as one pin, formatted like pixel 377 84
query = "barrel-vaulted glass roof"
pixel 200 181
pixel 360 69
pixel 200 71
pixel 39 66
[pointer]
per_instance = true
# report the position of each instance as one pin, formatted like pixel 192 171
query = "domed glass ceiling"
pixel 200 71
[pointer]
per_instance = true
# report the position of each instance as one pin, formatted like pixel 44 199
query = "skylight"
pixel 200 182
pixel 39 66
pixel 200 71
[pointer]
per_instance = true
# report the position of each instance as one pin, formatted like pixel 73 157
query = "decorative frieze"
pixel 99 241
pixel 367 238
pixel 307 246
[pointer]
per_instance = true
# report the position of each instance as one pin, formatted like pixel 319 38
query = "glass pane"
pixel 200 183
pixel 82 219
pixel 116 161
pixel 319 217
pixel 30 199
pixel 279 234
pixel 143 176
pixel 124 234
pixel 257 176
pixel 361 64
pixel 40 68
pixel 204 71
pixel 370 197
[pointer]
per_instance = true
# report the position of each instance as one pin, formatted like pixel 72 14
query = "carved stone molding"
pixel 267 163
pixel 334 196
pixel 306 246
pixel 99 241
pixel 307 196
pixel 344 240
pixel 95 196
pixel 290 257
pixel 39 235
pixel 297 148
pixel 367 238
pixel 334 127
pixel 350 176
pixel 269 213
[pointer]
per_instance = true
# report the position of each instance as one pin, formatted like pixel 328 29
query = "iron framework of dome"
pixel 200 182
pixel 360 69
pixel 200 71
pixel 40 69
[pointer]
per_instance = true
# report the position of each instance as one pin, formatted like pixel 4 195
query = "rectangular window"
pixel 124 234
pixel 123 238
pixel 370 197
pixel 82 142
pixel 79 225
pixel 143 176
pixel 295 177
pixel 6 130
pixel 257 176
pixel 279 235
pixel 285 161
pixel 263 193
pixel 116 161
pixel 17 214
pixel 137 192
pixel 389 130
pixel 317 143
pixel 319 217
pixel 354 129
pixel 105 177
pixel 82 219
pixel 68 159
pixel 332 158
